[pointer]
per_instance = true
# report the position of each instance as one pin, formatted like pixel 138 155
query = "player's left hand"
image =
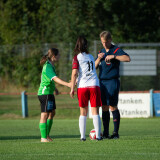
pixel 56 92
pixel 109 57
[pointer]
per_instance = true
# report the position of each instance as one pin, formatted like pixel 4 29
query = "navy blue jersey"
pixel 110 71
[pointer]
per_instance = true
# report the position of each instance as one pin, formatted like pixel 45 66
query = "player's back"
pixel 87 73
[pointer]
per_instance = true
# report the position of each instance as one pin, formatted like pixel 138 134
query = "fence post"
pixel 151 102
pixel 24 104
pixel 95 49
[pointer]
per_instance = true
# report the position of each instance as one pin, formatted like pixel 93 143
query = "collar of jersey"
pixel 83 52
pixel 50 63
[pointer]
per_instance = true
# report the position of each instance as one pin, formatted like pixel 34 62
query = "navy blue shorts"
pixel 110 91
pixel 47 103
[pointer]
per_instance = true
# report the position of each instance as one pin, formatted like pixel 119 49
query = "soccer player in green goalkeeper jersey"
pixel 45 92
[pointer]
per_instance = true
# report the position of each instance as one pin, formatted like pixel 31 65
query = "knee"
pixel 52 114
pixel 83 111
pixel 95 110
pixel 44 116
pixel 113 108
pixel 105 108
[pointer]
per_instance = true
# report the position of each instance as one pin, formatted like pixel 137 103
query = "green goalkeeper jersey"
pixel 47 85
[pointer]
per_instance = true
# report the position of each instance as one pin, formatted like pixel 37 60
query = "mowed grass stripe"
pixel 20 139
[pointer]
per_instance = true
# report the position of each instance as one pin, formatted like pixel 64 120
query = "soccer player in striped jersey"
pixel 83 66
pixel 45 92
pixel 108 62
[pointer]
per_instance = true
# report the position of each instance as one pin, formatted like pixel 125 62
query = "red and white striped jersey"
pixel 87 76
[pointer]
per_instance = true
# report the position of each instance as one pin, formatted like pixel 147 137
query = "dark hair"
pixel 81 45
pixel 51 52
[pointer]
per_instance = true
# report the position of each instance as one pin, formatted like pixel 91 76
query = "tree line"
pixel 38 22
pixel 50 21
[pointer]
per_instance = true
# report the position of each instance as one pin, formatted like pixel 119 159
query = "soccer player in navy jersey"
pixel 108 62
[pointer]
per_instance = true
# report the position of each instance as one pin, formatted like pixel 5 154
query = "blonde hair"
pixel 106 35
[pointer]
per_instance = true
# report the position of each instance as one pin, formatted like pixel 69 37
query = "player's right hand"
pixel 72 93
pixel 101 55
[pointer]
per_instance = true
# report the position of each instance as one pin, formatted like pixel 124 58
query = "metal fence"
pixel 128 82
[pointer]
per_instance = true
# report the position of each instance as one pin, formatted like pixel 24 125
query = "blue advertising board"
pixel 156 103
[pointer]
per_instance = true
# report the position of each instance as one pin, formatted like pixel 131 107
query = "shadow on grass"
pixel 37 137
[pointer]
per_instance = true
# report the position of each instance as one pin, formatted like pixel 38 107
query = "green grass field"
pixel 20 139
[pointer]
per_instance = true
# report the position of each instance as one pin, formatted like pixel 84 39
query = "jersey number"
pixel 90 65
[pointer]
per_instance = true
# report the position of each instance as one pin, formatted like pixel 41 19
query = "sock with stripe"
pixel 116 120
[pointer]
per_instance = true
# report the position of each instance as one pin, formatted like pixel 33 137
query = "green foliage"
pixel 27 71
pixel 34 21
pixel 136 21
pixel 52 21
pixel 19 70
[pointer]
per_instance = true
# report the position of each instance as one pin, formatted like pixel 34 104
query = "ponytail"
pixel 81 45
pixel 43 59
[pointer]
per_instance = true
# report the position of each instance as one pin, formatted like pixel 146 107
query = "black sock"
pixel 106 120
pixel 116 120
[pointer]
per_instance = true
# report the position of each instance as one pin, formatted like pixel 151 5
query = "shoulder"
pixel 116 48
pixel 91 56
pixel 75 58
pixel 75 64
pixel 81 56
pixel 47 66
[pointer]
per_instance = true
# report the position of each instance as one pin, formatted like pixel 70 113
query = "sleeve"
pixel 75 64
pixel 119 52
pixel 50 72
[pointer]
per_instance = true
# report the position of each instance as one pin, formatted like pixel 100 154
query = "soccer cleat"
pixel 114 135
pixel 49 139
pixel 82 139
pixel 99 139
pixel 106 136
pixel 44 140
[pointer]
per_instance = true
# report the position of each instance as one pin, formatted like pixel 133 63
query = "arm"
pixel 59 81
pixel 123 58
pixel 98 60
pixel 73 81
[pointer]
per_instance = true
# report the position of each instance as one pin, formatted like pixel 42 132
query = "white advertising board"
pixel 131 105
